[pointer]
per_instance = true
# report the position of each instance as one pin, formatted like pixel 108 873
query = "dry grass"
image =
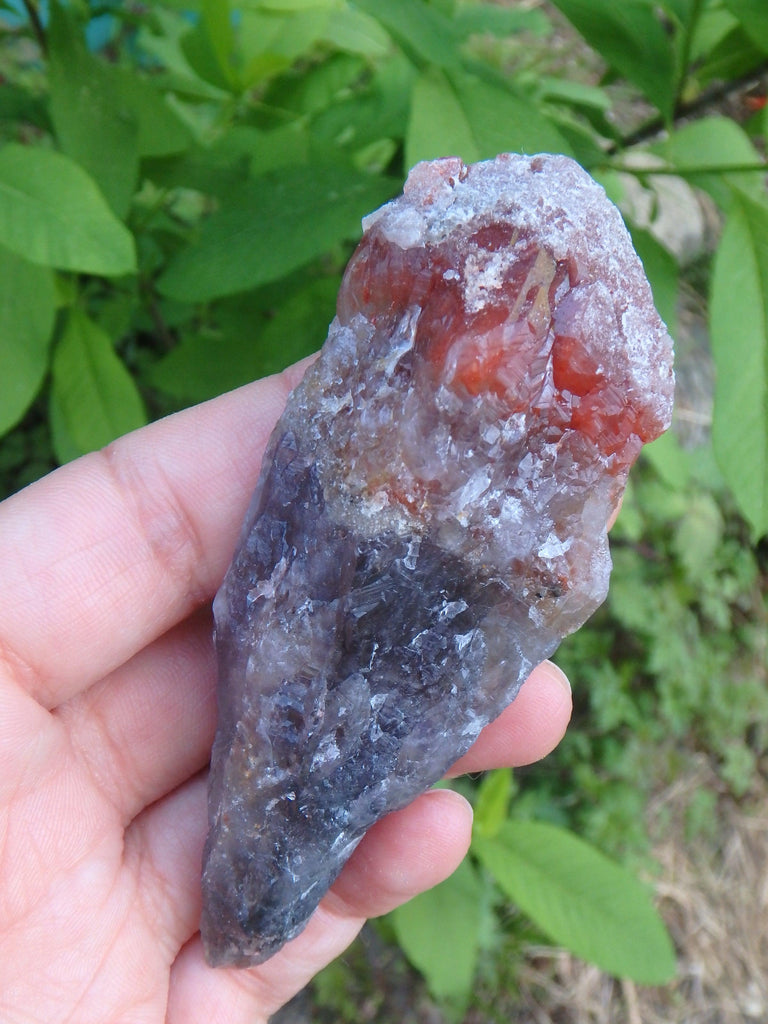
pixel 714 898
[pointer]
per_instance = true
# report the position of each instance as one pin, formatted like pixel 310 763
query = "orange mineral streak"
pixel 505 346
pixel 383 280
pixel 572 368
pixel 496 362
pixel 602 417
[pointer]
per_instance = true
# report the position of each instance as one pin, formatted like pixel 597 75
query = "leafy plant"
pixel 180 188
pixel 575 895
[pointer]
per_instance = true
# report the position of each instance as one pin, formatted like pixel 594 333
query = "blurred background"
pixel 181 184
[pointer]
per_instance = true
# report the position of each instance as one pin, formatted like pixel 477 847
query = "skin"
pixel 107 714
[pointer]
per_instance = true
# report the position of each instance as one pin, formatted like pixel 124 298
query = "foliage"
pixel 681 642
pixel 576 896
pixel 180 187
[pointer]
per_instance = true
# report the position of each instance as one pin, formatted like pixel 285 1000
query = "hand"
pixel 107 714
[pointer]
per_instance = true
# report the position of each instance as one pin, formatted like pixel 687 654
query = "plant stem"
pixel 37 25
pixel 711 96
pixel 685 53
pixel 682 172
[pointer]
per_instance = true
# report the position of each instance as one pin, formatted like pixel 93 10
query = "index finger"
pixel 107 553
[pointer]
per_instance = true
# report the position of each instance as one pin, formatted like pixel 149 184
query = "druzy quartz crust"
pixel 429 522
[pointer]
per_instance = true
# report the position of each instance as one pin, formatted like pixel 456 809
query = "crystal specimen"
pixel 429 522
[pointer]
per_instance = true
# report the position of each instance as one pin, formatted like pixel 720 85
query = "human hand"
pixel 107 715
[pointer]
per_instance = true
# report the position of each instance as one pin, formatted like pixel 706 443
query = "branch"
pixel 682 172
pixel 656 125
pixel 37 25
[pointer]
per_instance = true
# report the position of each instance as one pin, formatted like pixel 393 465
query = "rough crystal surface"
pixel 429 522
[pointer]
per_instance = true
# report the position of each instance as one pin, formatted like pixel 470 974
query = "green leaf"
pixel 481 18
pixel 736 57
pixel 712 28
pixel 298 327
pixel 739 329
pixel 263 41
pixel 164 39
pixel 669 459
pixel 266 151
pixel 357 32
pixel 321 86
pixel 503 121
pixel 715 142
pixel 217 19
pixel 203 366
pixel 753 15
pixel 697 537
pixel 438 125
pixel 271 41
pixel 439 931
pixel 274 224
pixel 379 112
pixel 160 129
pixel 240 154
pixel 680 10
pixel 294 5
pixel 492 802
pixel 209 46
pixel 27 312
pixel 19 105
pixel 632 38
pixel 422 32
pixel 93 123
pixel 580 899
pixel 52 213
pixel 93 397
pixel 663 274
pixel 720 48
pixel 461 115
pixel 577 94
pixel 161 132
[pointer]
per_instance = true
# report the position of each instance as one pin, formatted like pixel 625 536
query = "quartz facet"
pixel 429 522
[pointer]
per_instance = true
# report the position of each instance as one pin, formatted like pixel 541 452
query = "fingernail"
pixel 558 675
pixel 459 800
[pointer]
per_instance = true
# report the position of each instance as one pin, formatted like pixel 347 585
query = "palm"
pixel 80 935
pixel 107 713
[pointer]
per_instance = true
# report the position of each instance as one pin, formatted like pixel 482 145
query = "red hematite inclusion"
pixel 429 522
pixel 528 343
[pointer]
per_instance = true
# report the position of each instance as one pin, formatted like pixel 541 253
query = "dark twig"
pixel 37 25
pixel 655 125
